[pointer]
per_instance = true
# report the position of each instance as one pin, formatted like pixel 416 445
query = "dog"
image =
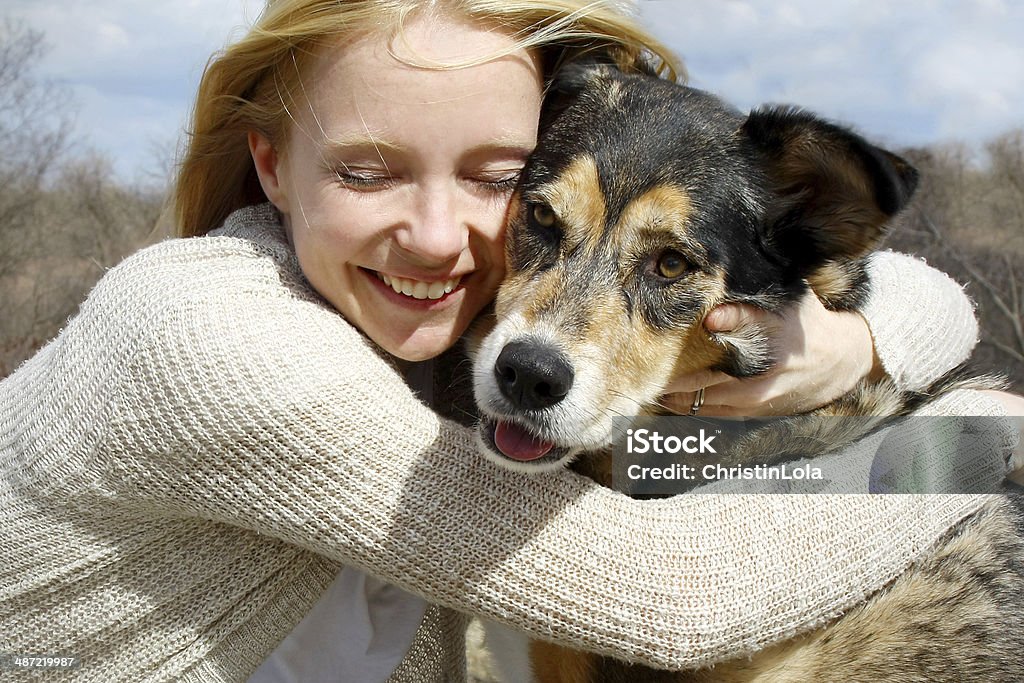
pixel 646 204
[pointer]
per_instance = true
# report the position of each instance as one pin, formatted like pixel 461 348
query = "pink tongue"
pixel 518 444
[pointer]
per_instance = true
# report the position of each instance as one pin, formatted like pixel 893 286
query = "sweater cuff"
pixel 1006 429
pixel 922 322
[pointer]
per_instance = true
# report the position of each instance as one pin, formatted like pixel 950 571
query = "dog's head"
pixel 644 206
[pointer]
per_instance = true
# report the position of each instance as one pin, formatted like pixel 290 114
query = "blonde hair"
pixel 247 86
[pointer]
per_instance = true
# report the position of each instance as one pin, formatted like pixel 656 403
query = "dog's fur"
pixel 645 205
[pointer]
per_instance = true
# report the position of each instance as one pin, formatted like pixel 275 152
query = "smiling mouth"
pixel 418 289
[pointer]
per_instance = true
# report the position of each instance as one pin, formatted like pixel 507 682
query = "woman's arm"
pixel 270 413
pixel 922 323
pixel 916 325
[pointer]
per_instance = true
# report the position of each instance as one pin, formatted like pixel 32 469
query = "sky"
pixel 912 72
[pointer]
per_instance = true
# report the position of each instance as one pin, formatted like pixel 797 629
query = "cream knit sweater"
pixel 183 469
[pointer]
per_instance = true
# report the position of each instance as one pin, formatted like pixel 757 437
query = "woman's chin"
pixel 422 344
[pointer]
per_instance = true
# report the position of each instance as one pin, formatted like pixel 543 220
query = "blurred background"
pixel 94 97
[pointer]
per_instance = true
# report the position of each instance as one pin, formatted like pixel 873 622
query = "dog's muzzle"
pixel 533 375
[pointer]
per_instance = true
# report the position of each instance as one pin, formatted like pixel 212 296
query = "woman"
pixel 220 444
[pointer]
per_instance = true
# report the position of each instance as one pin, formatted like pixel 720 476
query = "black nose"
pixel 533 375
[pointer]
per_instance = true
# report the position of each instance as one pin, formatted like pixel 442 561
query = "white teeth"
pixel 418 289
pixel 435 290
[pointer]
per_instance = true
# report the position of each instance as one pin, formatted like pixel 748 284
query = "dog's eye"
pixel 671 264
pixel 543 215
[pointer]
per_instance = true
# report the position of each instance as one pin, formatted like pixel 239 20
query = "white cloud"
pixel 132 67
pixel 909 72
pixel 970 86
pixel 912 72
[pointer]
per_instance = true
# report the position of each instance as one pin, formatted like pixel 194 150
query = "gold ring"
pixel 698 401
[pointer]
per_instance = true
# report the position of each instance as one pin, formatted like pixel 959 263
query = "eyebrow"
pixel 510 146
pixel 360 142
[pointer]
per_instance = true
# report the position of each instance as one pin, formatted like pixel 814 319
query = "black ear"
pixel 836 192
pixel 568 82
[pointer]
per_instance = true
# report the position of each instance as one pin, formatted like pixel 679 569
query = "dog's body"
pixel 645 205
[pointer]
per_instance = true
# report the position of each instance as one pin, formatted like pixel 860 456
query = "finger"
pixel 750 397
pixel 696 380
pixel 758 410
pixel 723 411
pixel 728 317
pixel 743 394
pixel 680 403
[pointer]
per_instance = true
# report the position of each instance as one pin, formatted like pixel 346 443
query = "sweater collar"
pixel 260 224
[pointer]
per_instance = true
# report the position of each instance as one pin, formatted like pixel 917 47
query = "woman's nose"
pixel 436 231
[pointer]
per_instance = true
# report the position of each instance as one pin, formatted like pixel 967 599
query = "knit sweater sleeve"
pixel 921 320
pixel 242 400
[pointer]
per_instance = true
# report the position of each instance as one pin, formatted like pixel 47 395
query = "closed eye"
pixel 498 182
pixel 364 180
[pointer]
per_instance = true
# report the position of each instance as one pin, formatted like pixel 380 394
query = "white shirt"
pixel 361 628
pixel 357 632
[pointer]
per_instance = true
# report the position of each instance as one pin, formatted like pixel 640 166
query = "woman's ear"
pixel 266 161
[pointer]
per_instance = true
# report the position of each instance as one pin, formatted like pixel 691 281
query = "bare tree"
pixel 33 138
pixel 968 219
pixel 64 216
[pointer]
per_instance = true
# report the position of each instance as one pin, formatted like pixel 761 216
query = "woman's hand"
pixel 820 355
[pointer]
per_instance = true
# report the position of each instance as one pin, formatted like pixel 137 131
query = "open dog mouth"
pixel 515 442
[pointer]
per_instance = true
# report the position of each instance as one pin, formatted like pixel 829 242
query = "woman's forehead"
pixel 432 61
pixel 370 90
pixel 432 42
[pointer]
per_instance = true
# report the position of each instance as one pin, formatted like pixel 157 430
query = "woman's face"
pixel 395 179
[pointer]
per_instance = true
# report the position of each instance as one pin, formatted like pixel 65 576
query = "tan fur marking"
pixel 511 294
pixel 556 664
pixel 577 199
pixel 542 293
pixel 696 350
pixel 831 281
pixel 637 354
pixel 649 352
pixel 665 207
pixel 578 202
